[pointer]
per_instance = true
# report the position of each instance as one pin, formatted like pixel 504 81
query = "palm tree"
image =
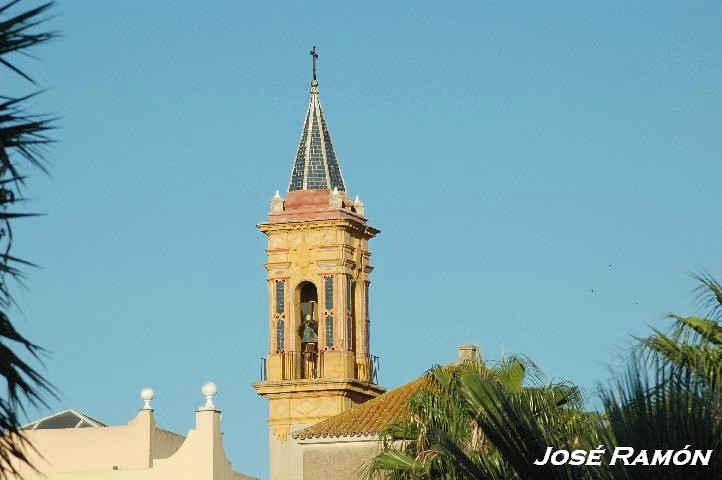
pixel 655 406
pixel 489 423
pixel 475 426
pixel 694 343
pixel 22 141
pixel 459 428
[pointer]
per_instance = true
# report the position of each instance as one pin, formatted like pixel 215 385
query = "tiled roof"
pixel 372 417
pixel 315 167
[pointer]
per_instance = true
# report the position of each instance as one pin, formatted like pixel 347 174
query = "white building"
pixel 73 446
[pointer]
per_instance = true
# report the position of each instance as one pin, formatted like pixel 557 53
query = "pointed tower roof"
pixel 315 167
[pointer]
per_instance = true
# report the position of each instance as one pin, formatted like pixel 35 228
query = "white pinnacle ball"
pixel 147 395
pixel 209 389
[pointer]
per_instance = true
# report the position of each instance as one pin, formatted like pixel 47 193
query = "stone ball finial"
pixel 209 390
pixel 147 395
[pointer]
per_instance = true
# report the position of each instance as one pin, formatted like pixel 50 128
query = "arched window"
pixel 279 292
pixel 280 296
pixel 308 316
pixel 349 331
pixel 328 308
pixel 329 331
pixel 367 340
pixel 349 313
pixel 349 294
pixel 280 335
pixel 328 292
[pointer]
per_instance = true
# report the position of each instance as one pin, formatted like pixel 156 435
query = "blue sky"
pixel 543 174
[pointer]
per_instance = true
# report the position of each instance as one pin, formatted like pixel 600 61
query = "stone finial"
pixel 358 206
pixel 147 395
pixel 335 200
pixel 277 202
pixel 209 390
pixel 468 353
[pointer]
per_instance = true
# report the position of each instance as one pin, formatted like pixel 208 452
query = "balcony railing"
pixel 309 365
pixel 374 362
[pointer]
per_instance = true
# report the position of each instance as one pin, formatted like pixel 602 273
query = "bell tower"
pixel 319 360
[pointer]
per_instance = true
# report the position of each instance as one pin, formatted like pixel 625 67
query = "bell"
pixel 308 324
pixel 309 334
pixel 307 309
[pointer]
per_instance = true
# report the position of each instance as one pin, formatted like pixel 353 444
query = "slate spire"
pixel 315 167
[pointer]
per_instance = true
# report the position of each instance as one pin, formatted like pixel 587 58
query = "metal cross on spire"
pixel 314 55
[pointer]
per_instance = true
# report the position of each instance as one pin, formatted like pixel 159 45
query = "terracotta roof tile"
pixel 372 417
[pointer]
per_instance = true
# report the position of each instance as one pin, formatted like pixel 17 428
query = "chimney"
pixel 468 353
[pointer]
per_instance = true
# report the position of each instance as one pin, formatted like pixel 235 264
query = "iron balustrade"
pixel 294 365
pixel 374 361
pixel 309 366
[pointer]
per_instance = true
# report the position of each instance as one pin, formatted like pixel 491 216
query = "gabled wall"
pixel 138 451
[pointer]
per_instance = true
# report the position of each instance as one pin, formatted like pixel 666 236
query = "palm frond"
pixel 709 295
pixel 404 466
pixel 15 35
pixel 693 343
pixel 23 139
pixel 23 135
pixel 486 421
pixel 661 408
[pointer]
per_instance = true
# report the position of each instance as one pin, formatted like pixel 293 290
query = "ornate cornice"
pixel 363 230
pixel 311 388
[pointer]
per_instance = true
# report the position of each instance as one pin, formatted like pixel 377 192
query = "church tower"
pixel 319 362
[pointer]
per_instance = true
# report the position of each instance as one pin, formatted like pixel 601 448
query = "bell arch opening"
pixel 307 316
pixel 306 298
